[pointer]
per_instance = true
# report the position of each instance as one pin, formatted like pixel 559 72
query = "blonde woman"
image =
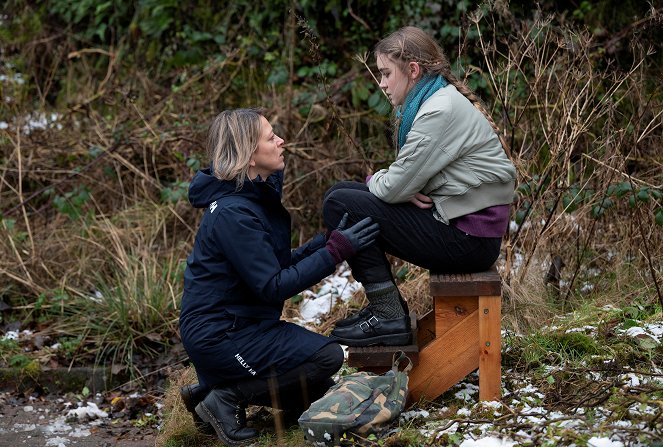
pixel 239 274
pixel 443 204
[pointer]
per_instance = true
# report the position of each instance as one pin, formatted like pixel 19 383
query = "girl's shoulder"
pixel 435 109
pixel 449 101
pixel 444 100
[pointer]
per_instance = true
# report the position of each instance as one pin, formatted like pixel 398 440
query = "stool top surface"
pixel 486 283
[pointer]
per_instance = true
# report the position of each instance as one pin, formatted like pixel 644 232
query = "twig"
pixel 363 58
pixel 356 17
pixel 109 70
pixel 22 203
pixel 622 173
pixel 335 115
pixel 648 256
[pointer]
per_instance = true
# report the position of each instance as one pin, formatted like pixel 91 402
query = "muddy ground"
pixel 72 421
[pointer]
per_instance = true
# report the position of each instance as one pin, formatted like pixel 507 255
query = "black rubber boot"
pixel 192 395
pixel 225 410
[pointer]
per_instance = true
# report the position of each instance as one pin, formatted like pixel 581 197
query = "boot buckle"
pixel 367 325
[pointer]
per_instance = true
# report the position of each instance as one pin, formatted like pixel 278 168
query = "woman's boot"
pixel 191 396
pixel 225 410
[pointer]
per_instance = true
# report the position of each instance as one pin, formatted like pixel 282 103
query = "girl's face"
pixel 268 157
pixel 395 83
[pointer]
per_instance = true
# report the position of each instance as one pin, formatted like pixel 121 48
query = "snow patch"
pixel 88 412
pixel 603 442
pixel 488 442
pixel 338 287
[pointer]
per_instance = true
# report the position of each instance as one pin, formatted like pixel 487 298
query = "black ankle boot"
pixel 192 395
pixel 354 318
pixel 364 314
pixel 224 409
pixel 374 331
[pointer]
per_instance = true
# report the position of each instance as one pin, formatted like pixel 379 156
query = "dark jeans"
pixel 407 232
pixel 296 389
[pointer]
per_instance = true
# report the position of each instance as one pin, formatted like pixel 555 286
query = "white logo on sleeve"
pixel 212 206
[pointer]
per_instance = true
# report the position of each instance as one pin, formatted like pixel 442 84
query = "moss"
pixel 32 369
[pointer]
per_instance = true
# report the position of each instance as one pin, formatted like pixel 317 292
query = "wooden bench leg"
pixel 446 360
pixel 490 354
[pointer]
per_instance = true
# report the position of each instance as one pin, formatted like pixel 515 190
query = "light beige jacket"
pixel 452 155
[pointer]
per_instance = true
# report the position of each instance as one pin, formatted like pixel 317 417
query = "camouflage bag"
pixel 362 403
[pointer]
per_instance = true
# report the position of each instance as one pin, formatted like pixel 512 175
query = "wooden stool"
pixel 460 334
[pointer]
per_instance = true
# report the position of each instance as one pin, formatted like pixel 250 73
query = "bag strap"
pixel 396 360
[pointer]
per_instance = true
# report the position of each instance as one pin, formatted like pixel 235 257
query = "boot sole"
pixel 206 415
pixel 380 340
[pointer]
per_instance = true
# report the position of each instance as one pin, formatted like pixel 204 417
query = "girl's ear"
pixel 414 70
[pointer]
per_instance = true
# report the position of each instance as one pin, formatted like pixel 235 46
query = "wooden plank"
pixel 426 329
pixel 490 356
pixel 370 358
pixel 446 360
pixel 449 311
pixel 466 284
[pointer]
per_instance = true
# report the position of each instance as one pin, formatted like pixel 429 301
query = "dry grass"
pixel 179 429
pixel 177 421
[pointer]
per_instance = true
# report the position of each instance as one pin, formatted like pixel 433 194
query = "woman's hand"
pixel 343 242
pixel 421 201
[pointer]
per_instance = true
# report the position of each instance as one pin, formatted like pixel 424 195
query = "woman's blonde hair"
pixel 232 138
pixel 411 44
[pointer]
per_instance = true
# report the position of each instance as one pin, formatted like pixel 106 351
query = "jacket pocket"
pixel 435 183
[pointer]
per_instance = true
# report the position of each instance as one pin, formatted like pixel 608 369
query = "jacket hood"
pixel 205 188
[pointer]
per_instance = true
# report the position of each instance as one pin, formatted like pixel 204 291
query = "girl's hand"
pixel 421 201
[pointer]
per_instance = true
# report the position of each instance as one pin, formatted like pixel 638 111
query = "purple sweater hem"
pixel 488 222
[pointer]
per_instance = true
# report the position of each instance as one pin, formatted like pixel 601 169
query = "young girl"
pixel 443 204
pixel 239 274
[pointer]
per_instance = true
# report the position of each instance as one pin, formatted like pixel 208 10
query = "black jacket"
pixel 242 268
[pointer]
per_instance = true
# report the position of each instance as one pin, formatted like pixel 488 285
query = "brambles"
pixel 106 106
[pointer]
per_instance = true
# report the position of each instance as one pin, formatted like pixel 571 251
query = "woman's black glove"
pixel 343 242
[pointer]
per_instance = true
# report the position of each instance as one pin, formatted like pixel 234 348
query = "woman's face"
pixel 394 82
pixel 268 157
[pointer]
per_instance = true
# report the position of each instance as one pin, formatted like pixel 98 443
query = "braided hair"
pixel 411 44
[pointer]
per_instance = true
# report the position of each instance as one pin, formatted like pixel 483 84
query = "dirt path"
pixel 56 422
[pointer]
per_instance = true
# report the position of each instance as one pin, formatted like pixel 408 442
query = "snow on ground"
pixel 522 419
pixel 338 287
pixel 488 441
pixel 654 331
pixel 56 428
pixel 86 412
pixel 32 121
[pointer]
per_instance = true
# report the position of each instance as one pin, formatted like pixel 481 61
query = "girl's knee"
pixel 350 197
pixel 333 207
pixel 344 185
pixel 336 186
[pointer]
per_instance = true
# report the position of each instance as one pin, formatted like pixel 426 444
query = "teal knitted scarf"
pixel 421 91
